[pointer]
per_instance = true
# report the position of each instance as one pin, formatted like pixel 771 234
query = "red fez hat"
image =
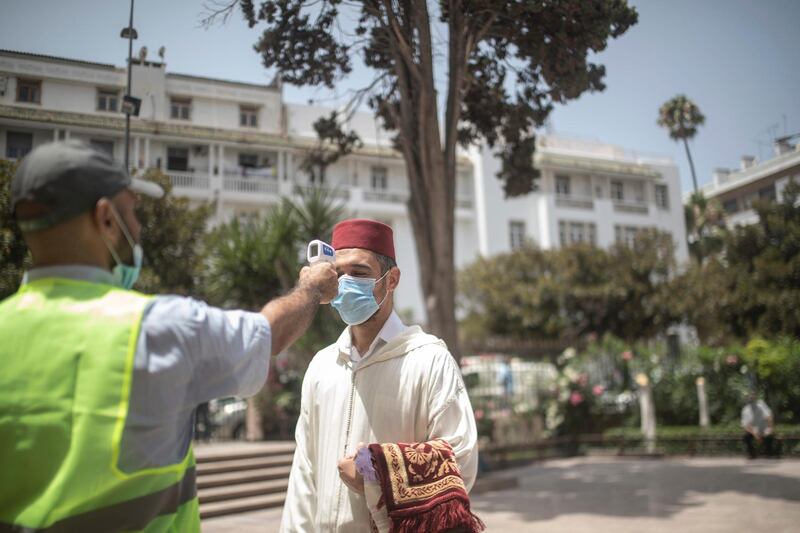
pixel 363 233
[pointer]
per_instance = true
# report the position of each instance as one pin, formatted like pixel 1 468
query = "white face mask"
pixel 125 275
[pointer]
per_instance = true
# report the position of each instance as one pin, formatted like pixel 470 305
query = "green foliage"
pixel 14 256
pixel 729 374
pixel 572 291
pixel 542 47
pixel 681 117
pixel 688 432
pixel 256 258
pixel 252 259
pixel 705 226
pixel 333 143
pixel 172 239
pixel 753 288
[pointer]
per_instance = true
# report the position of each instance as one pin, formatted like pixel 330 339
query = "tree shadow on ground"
pixel 629 488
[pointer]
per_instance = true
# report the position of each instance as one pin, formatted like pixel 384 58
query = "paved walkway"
pixel 624 496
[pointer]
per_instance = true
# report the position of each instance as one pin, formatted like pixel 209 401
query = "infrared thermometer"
pixel 320 251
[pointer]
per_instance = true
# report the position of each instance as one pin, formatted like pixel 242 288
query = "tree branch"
pixel 217 10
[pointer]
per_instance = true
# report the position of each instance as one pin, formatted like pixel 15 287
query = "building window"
pixel 730 206
pixel 107 101
pixel 29 91
pixel 248 117
pixel 570 232
pixel 767 193
pixel 177 158
pixel 662 198
pixel 638 192
pixel 562 185
pixel 516 232
pixel 248 160
pixel 18 144
pixel 626 234
pixel 180 108
pixel 617 191
pixel 380 179
pixel 104 146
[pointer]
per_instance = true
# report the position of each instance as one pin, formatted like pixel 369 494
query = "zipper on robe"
pixel 346 440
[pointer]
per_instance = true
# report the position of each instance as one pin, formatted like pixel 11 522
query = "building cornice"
pixel 56 59
pixel 741 178
pixel 170 129
pixel 590 164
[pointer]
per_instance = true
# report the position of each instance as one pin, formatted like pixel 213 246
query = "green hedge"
pixel 680 432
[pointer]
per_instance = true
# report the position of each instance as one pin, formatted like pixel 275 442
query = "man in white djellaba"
pixel 380 382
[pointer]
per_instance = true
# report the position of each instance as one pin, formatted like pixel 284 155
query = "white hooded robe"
pixel 409 390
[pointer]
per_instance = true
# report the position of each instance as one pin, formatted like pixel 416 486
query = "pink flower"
pixel 627 355
pixel 576 398
pixel 478 414
pixel 597 390
pixel 592 337
pixel 731 360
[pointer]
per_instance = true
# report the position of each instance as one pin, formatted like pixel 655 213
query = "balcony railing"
pixel 383 195
pixel 334 192
pixel 570 200
pixel 401 196
pixel 250 185
pixel 188 180
pixel 464 202
pixel 630 207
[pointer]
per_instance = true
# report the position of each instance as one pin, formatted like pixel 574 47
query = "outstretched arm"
pixel 291 315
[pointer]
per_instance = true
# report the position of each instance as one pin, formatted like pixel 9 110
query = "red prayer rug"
pixel 422 488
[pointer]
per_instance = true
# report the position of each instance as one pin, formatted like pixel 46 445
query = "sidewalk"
pixel 624 496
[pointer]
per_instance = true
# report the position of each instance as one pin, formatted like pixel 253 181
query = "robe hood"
pixel 411 339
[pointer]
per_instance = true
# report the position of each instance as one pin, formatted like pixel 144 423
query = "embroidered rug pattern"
pixel 422 487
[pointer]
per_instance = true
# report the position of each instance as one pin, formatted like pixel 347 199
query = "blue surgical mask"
pixel 125 275
pixel 356 300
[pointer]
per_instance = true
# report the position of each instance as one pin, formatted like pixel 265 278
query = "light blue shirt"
pixel 187 353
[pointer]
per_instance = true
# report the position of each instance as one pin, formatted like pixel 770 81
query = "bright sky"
pixel 737 59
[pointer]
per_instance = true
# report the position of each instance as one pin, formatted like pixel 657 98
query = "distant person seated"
pixel 758 425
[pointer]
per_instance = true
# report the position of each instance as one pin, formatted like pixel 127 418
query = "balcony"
pixel 464 202
pixel 622 206
pixel 401 197
pixel 384 195
pixel 573 200
pixel 341 193
pixel 188 180
pixel 257 185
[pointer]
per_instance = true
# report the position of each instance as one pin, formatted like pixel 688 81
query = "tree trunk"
pixel 431 173
pixel 691 164
pixel 254 421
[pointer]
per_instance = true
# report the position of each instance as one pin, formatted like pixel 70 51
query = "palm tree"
pixel 682 117
pixel 255 258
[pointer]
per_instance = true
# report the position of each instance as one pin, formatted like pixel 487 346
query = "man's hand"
pixel 349 473
pixel 321 277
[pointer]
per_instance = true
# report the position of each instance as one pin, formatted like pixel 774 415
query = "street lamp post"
pixel 130 33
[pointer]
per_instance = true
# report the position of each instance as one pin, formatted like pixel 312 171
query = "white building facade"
pixel 240 145
pixel 587 192
pixel 736 190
